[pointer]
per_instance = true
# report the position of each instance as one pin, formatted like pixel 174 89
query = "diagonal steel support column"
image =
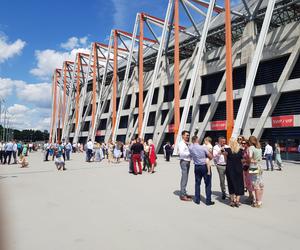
pixel 156 68
pixel 244 106
pixel 92 132
pixel 274 98
pixel 126 80
pixel 195 73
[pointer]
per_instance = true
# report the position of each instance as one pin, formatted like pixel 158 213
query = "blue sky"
pixel 36 36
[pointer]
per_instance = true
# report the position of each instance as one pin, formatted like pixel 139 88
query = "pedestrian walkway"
pixel 100 206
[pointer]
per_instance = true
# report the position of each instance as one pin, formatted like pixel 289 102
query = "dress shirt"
pixel 2 146
pixel 219 158
pixel 15 147
pixel 183 151
pixel 268 150
pixel 198 153
pixel 9 146
pixel 90 145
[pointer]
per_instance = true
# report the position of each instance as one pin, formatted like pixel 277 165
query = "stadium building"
pixel 158 85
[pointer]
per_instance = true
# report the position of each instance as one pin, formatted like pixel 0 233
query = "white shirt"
pixel 90 145
pixel 2 146
pixel 15 147
pixel 268 150
pixel 219 158
pixel 183 151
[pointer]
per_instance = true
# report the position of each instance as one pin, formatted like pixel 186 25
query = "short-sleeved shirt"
pixel 198 153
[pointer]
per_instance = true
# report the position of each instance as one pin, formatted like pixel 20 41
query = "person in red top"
pixel 152 156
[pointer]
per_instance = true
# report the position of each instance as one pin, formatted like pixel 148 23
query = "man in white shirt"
pixel 185 160
pixel 89 150
pixel 220 162
pixel 268 154
pixel 15 151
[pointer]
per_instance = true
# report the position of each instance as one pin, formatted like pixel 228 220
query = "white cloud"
pixel 23 117
pixel 38 94
pixel 48 60
pixel 9 50
pixel 74 42
pixel 7 86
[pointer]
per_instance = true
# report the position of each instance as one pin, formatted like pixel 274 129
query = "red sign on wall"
pixel 98 133
pixel 283 121
pixel 218 125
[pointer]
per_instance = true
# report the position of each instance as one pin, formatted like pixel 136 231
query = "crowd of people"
pixel 13 152
pixel 239 162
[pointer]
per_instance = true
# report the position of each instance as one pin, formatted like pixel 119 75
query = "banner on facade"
pixel 218 125
pixel 283 121
pixel 171 128
pixel 98 133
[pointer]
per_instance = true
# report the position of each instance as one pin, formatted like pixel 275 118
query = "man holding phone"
pixel 220 161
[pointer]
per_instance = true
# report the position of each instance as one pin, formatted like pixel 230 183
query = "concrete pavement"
pixel 100 206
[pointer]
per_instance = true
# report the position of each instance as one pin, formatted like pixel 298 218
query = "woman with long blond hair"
pixel 234 172
pixel 255 170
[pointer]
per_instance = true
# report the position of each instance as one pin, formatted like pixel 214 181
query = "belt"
pixel 224 165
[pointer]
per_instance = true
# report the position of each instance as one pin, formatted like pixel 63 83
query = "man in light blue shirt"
pixel 199 154
pixel 9 147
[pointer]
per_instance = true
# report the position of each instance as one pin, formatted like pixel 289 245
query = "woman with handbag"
pixel 255 170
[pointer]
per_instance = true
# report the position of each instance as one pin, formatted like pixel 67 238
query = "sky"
pixel 37 36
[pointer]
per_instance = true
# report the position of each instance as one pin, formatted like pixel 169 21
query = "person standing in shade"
pixel 136 150
pixel 199 155
pixel 89 150
pixel 185 160
pixel 234 172
pixel 268 154
pixel 220 162
pixel 168 150
pixel 278 160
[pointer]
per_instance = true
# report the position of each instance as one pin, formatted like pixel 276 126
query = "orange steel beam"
pixel 229 88
pixel 141 76
pixel 115 79
pixel 176 70
pixel 77 91
pixel 205 4
pixel 94 84
pixel 159 20
pixel 137 37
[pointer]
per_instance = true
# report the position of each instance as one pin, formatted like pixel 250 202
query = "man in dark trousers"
pixel 168 149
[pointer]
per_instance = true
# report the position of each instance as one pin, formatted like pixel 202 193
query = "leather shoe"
pixel 185 198
pixel 210 203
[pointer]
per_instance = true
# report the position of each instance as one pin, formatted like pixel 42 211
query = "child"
pixel 207 143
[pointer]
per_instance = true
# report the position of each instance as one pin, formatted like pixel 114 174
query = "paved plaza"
pixel 94 206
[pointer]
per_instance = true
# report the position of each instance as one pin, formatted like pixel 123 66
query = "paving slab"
pixel 100 206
